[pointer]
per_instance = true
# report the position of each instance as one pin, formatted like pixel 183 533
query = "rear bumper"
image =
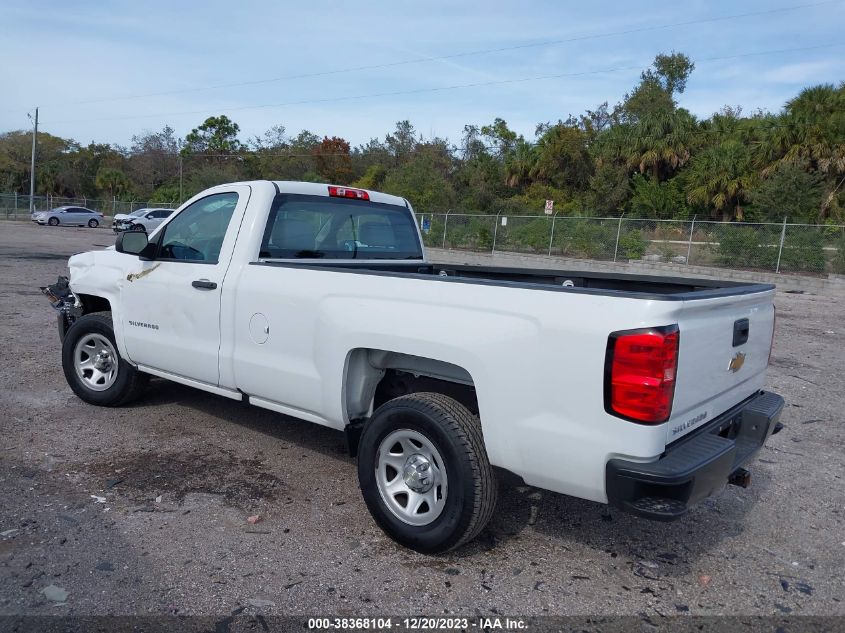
pixel 694 467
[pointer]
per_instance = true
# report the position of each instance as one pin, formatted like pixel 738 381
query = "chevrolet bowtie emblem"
pixel 736 362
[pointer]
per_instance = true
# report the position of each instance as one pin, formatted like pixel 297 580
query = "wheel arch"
pixel 372 377
pixel 94 303
pixel 89 303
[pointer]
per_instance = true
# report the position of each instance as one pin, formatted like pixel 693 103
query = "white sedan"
pixel 141 220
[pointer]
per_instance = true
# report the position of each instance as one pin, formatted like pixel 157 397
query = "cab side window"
pixel 196 234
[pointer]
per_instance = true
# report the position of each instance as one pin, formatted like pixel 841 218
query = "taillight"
pixel 346 192
pixel 640 369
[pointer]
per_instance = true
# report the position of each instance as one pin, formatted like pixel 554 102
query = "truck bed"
pixel 576 281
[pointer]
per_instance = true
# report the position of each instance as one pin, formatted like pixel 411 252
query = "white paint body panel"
pixel 536 357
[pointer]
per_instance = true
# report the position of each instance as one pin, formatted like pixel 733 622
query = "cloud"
pixel 804 73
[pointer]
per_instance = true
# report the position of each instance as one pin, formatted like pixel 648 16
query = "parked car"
pixel 317 301
pixel 141 220
pixel 69 216
pixel 122 218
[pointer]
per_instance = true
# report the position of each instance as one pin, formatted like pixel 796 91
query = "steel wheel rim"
pixel 96 362
pixel 411 477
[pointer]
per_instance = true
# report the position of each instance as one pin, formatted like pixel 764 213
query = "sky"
pixel 105 71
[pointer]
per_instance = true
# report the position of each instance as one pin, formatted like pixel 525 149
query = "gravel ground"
pixel 180 471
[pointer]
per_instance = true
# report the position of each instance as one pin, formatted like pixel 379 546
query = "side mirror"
pixel 131 242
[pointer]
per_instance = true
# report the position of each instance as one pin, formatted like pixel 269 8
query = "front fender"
pixel 102 274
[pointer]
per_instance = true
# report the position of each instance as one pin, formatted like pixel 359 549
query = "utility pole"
pixel 32 167
pixel 180 178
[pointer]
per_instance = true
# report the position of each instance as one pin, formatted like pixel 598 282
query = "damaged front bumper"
pixel 67 304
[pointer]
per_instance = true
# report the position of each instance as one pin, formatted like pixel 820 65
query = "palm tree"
pixel 658 143
pixel 519 164
pixel 812 128
pixel 811 131
pixel 719 177
pixel 562 158
pixel 112 180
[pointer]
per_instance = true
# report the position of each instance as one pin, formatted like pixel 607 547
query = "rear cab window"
pixel 320 227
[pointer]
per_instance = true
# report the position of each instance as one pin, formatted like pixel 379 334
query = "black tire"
pixel 53 221
pixel 456 434
pixel 93 223
pixel 128 383
pixel 139 227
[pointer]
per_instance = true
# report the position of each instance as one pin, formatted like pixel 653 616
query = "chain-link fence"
pixel 16 206
pixel 772 247
pixel 777 247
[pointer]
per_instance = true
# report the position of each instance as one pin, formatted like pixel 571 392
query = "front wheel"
pixel 92 365
pixel 424 472
pixel 93 224
pixel 139 227
pixel 53 221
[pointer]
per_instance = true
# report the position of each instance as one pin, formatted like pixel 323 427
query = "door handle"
pixel 204 284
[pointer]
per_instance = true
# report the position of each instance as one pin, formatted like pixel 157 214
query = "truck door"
pixel 171 306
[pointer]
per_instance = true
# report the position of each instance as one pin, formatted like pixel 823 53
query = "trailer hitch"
pixel 740 477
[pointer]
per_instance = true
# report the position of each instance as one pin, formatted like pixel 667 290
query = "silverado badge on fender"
pixel 736 362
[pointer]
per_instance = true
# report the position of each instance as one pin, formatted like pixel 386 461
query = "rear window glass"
pixel 318 227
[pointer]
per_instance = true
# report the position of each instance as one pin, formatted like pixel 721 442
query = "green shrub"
pixel 632 245
pixel 530 236
pixel 469 233
pixel 588 239
pixel 839 258
pixel 747 247
pixel 802 250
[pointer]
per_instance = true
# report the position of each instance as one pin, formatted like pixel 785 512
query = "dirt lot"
pixel 776 548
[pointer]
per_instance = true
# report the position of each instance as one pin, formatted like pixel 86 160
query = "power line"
pixel 475 53
pixel 440 88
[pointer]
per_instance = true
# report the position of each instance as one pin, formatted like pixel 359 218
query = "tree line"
pixel 645 156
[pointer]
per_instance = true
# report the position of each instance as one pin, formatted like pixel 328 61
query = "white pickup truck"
pixel 317 301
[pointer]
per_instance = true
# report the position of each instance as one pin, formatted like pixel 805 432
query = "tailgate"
pixel 723 355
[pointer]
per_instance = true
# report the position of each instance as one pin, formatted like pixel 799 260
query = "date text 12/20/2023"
pixel 419 623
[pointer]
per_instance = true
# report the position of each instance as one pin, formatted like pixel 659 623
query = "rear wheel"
pixel 424 472
pixel 92 365
pixel 93 223
pixel 53 221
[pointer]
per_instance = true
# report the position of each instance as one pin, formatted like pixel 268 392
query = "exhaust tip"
pixel 740 477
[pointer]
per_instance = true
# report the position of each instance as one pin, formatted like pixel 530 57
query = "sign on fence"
pixel 550 207
pixel 426 225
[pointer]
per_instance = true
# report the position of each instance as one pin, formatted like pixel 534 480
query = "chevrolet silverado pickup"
pixel 318 302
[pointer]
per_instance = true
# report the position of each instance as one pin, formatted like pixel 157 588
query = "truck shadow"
pixel 653 550
pixel 286 429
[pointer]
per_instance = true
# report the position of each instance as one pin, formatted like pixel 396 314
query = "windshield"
pixel 306 227
pixel 137 213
